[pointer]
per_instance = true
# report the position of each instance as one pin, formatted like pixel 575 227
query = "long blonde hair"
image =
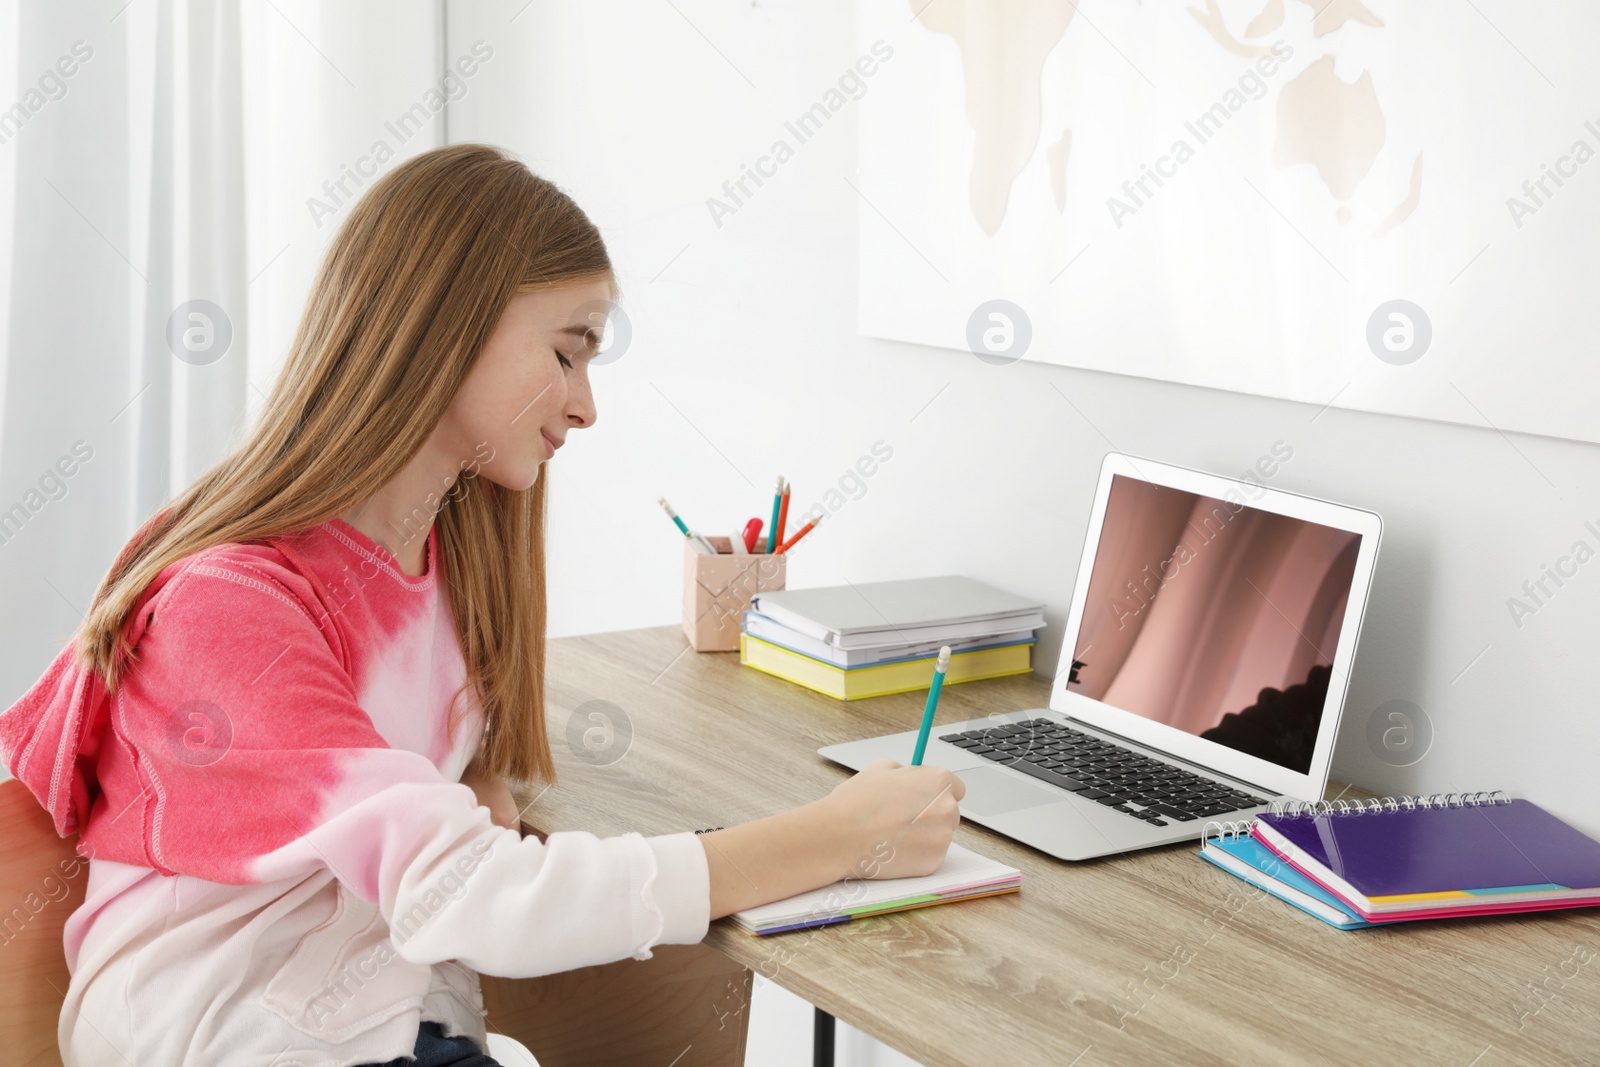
pixel 411 288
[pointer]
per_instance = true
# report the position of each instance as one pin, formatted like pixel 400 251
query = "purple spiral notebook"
pixel 1484 856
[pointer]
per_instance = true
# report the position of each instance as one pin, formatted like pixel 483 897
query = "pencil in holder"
pixel 717 591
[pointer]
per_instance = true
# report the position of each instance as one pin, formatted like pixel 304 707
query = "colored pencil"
pixel 933 702
pixel 777 503
pixel 807 528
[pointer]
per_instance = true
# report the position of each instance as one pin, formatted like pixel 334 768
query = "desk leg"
pixel 822 1041
pixel 688 1005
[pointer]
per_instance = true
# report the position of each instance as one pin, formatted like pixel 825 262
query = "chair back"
pixel 42 881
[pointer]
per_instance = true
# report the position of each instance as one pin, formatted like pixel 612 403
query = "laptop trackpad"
pixel 992 792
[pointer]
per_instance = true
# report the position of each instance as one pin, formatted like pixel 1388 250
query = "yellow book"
pixel 884 678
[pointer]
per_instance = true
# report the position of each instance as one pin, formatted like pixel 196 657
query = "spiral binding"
pixel 1409 802
pixel 1225 830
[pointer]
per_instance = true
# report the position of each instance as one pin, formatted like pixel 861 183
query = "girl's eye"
pixel 565 361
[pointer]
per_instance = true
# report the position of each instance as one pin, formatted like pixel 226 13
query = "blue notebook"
pixel 1247 858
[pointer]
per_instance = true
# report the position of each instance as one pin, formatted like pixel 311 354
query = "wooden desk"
pixel 1150 958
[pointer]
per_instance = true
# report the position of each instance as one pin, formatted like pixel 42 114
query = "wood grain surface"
pixel 42 882
pixel 1154 957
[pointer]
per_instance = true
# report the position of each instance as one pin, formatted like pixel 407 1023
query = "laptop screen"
pixel 1214 617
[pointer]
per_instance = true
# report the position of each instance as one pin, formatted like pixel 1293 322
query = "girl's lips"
pixel 552 442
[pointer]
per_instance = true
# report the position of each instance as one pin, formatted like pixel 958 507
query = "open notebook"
pixel 964 875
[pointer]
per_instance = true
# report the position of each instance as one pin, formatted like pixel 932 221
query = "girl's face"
pixel 530 385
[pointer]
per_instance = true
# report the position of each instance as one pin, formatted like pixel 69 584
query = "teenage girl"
pixel 284 730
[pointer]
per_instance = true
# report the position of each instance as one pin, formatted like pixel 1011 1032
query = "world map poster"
pixel 1382 205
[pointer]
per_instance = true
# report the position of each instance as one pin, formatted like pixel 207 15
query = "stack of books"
pixel 866 640
pixel 964 875
pixel 1402 858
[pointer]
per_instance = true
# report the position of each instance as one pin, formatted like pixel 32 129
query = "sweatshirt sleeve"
pixel 250 761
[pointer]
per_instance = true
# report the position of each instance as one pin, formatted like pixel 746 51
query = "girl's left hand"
pixel 493 793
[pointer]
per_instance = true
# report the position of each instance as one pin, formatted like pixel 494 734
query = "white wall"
pixel 745 363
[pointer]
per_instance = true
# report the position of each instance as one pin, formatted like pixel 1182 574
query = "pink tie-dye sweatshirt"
pixel 284 867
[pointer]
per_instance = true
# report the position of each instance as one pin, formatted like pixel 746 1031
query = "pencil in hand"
pixel 939 667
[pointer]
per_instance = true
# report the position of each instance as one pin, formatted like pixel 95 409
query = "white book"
pixel 963 875
pixel 758 625
pixel 942 634
pixel 866 614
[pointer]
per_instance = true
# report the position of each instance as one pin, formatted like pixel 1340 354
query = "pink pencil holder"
pixel 717 591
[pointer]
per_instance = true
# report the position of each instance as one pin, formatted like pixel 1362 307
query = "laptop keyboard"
pixel 1120 778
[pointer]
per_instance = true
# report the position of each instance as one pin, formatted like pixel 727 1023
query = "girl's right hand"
pixel 899 819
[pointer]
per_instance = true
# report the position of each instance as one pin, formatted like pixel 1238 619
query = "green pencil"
pixel 933 702
pixel 772 527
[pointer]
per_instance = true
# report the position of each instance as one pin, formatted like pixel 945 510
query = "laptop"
pixel 1202 676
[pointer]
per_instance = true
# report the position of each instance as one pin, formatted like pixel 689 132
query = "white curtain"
pixel 170 174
